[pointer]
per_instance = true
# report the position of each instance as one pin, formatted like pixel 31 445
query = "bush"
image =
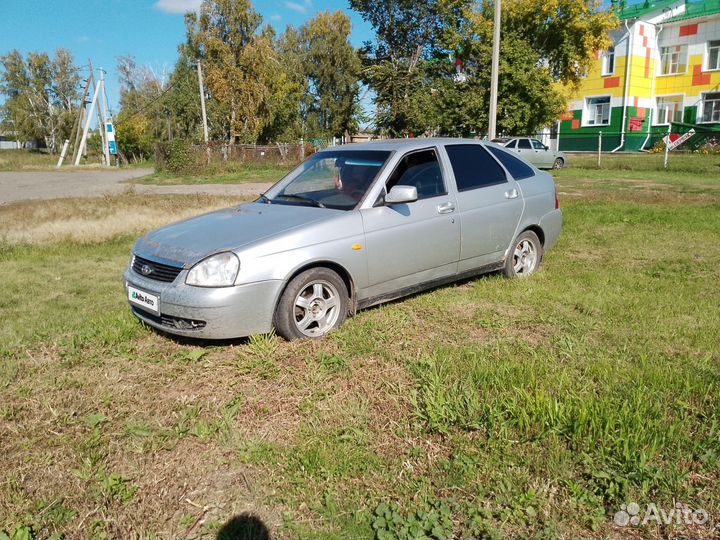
pixel 177 157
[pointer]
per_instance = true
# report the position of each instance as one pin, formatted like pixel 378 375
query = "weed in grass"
pixel 258 357
pixel 392 522
pixel 114 486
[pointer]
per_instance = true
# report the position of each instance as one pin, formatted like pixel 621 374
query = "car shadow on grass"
pixel 244 526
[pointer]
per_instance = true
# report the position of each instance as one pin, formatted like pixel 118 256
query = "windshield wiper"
pixel 303 199
pixel 264 199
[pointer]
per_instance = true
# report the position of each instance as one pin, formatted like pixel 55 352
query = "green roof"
pixel 637 11
pixel 693 9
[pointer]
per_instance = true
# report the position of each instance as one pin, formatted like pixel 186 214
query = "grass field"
pixel 492 408
pixel 242 173
pixel 41 160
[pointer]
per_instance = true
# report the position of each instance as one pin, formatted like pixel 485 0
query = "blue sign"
pixel 112 147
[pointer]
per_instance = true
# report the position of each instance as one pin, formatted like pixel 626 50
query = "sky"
pixel 149 30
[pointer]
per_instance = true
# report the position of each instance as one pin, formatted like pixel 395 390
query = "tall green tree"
pixel 41 96
pixel 333 70
pixel 430 67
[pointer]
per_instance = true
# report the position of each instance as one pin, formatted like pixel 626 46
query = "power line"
pixel 150 104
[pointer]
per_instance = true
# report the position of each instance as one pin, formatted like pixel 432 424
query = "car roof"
pixel 404 144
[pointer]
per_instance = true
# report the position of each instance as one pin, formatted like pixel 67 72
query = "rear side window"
pixel 517 168
pixel 474 167
pixel 524 144
pixel 511 144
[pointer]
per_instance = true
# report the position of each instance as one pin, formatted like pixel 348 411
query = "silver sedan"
pixel 350 227
pixel 536 152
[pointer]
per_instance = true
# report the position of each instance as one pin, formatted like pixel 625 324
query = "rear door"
pixel 409 244
pixel 490 205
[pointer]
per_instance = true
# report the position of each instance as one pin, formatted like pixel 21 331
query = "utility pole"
pixel 102 119
pixel 492 121
pixel 202 102
pixel 88 119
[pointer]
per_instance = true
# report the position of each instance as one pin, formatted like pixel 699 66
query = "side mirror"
pixel 401 194
pixel 547 148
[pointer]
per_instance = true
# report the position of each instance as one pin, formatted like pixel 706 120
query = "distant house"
pixel 663 68
pixel 7 142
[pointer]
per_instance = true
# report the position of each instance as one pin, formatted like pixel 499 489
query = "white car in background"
pixel 535 152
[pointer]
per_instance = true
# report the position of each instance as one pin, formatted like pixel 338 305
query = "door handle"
pixel 511 194
pixel 445 208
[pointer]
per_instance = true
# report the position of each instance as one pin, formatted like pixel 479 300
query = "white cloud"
pixel 300 8
pixel 177 6
pixel 276 17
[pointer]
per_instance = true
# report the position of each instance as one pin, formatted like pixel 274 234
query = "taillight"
pixel 557 201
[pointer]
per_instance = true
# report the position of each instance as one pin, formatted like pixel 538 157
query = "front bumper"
pixel 207 313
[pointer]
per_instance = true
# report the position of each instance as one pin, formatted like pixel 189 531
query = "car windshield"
pixel 335 179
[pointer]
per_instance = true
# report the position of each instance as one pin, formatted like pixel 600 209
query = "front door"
pixel 413 243
pixel 544 158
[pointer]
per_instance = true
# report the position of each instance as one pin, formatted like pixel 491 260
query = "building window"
pixel 713 57
pixel 597 111
pixel 711 107
pixel 608 62
pixel 669 109
pixel 673 60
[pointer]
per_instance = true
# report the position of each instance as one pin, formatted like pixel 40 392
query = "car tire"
pixel 559 163
pixel 524 257
pixel 314 303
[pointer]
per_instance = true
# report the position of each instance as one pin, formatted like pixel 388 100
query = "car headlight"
pixel 217 271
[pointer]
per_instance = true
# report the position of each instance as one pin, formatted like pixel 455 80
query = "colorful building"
pixel 663 69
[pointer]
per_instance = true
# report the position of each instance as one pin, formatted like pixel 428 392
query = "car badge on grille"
pixel 145 270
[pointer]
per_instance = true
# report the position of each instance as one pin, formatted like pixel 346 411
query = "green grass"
pixel 704 167
pixel 240 173
pixel 18 160
pixel 492 408
pixel 42 160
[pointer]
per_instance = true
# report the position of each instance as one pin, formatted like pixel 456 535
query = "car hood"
pixel 191 240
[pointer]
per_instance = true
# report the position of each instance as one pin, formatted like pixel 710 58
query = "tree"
pixel 430 68
pixel 333 69
pixel 41 96
pixel 144 116
pixel 239 63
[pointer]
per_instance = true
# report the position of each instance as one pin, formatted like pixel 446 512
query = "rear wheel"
pixel 314 303
pixel 524 257
pixel 559 163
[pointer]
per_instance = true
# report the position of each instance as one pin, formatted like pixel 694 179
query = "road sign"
pixel 110 131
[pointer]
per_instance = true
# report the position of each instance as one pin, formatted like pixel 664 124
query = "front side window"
pixel 669 109
pixel 608 62
pixel 537 145
pixel 474 167
pixel 713 58
pixel 711 107
pixel 336 179
pixel 598 111
pixel 422 170
pixel 673 60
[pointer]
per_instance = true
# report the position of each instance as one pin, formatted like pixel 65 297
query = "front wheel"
pixel 524 257
pixel 314 303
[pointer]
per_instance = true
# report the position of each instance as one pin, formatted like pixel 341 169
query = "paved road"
pixel 20 186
